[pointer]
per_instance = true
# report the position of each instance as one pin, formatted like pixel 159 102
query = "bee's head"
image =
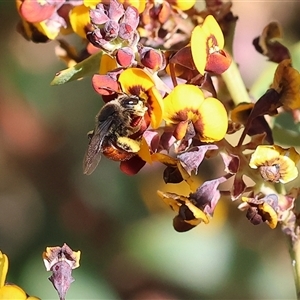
pixel 134 105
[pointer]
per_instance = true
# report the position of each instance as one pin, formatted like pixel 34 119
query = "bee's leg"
pixel 128 144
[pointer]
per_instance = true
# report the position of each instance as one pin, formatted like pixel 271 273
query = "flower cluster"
pixel 172 107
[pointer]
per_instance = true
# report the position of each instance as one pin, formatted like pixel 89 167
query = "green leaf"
pixel 86 67
pixel 286 131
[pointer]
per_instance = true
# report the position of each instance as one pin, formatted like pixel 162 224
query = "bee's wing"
pixel 93 153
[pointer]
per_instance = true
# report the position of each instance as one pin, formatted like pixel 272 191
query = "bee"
pixel 117 131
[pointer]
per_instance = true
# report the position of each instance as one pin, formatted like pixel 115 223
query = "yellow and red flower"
pixel 48 18
pixel 207 43
pixel 261 210
pixel 186 105
pixel 287 84
pixel 275 164
pixel 189 215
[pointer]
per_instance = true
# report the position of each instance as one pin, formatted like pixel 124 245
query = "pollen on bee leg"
pixel 128 144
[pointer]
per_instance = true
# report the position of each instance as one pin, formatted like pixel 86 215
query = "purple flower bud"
pixel 98 15
pixel 125 57
pixel 111 29
pixel 131 17
pixel 151 58
pixel 116 10
pixel 96 38
pixel 126 31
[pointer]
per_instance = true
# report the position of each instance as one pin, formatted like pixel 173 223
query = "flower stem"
pixel 295 260
pixel 235 84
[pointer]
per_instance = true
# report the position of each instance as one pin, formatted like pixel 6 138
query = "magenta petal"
pixel 231 162
pixel 125 56
pixel 115 11
pixel 192 158
pixel 125 31
pixel 167 140
pixel 152 139
pixel 218 62
pixel 33 11
pixel 131 17
pixel 105 85
pixel 98 15
pixel 132 166
pixel 208 195
pixel 238 187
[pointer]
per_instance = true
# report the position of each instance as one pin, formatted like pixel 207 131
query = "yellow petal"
pixel 212 28
pixel 133 78
pixel 214 120
pixel 12 292
pixel 262 154
pixel 138 4
pixel 184 4
pixel 91 3
pixel 199 48
pixel 291 153
pixel 79 19
pixel 197 212
pixel 287 83
pixel 144 152
pixel 169 199
pixel 182 103
pixel 50 32
pixel 3 268
pixel 241 113
pixel 155 107
pixel 270 214
pixel 164 159
pixel 107 64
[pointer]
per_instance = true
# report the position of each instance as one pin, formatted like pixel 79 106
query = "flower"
pixel 287 84
pixel 80 20
pixel 274 163
pixel 207 43
pixel 241 115
pixel 186 105
pixel 241 112
pixel 10 291
pixel 261 209
pixel 189 215
pixel 268 43
pixel 61 261
pixel 47 17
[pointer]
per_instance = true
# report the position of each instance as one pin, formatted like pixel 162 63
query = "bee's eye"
pixel 130 102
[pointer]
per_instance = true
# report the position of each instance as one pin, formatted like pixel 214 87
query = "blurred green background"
pixel 129 248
